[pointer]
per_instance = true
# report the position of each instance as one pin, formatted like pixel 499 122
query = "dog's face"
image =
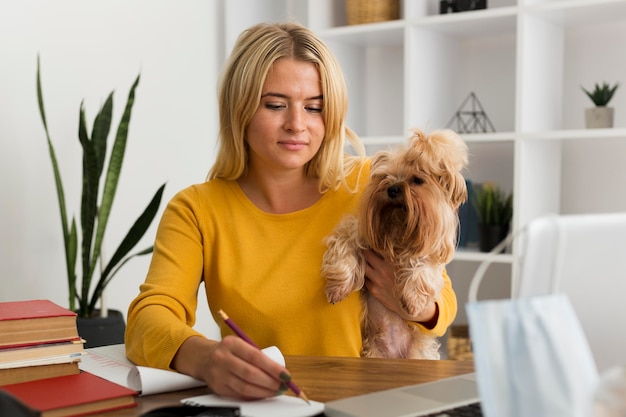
pixel 409 207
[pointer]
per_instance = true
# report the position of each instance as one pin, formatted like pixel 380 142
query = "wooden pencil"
pixel 230 323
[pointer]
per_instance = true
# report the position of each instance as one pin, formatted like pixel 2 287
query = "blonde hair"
pixel 239 94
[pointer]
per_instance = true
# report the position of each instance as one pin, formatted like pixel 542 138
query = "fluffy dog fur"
pixel 408 215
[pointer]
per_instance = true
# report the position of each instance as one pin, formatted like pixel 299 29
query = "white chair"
pixel 583 256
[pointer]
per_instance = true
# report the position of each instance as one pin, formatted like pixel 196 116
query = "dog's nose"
pixel 393 191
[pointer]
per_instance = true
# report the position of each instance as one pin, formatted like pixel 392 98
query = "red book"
pixel 35 321
pixel 72 395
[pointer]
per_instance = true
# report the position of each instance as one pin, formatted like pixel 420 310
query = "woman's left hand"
pixel 379 281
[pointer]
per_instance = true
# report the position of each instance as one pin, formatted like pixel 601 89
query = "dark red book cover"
pixel 72 395
pixel 23 323
pixel 32 309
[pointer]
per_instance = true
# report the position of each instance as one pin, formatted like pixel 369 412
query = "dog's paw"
pixel 421 287
pixel 336 291
pixel 343 276
pixel 413 305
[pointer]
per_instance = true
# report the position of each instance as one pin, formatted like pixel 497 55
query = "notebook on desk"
pixel 431 398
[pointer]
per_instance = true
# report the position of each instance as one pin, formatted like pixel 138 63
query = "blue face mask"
pixel 531 356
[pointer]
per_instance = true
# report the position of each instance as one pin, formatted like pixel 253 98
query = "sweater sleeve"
pixel 447 305
pixel 161 317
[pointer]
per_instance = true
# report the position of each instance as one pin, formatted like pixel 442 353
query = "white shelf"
pixel 524 59
pixel 488 22
pixel 619 133
pixel 368 35
pixel 489 137
pixel 576 12
pixel 473 255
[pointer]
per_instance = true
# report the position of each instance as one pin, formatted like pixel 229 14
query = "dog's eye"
pixel 417 181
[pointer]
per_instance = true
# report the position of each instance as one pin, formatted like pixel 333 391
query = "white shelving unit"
pixel 524 59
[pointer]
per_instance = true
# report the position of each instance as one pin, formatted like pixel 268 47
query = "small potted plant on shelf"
pixel 600 116
pixel 85 240
pixel 494 208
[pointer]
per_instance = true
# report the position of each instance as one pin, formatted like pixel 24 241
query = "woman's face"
pixel 287 128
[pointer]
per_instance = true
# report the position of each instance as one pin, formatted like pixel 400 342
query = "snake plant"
pixel 94 214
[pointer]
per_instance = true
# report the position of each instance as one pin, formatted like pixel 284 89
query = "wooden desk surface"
pixel 330 378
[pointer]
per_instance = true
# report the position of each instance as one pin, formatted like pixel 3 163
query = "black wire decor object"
pixel 471 117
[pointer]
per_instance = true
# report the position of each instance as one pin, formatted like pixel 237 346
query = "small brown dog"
pixel 408 215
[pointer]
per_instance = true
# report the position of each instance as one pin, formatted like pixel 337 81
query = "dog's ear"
pixel 449 149
pixel 457 189
pixel 448 153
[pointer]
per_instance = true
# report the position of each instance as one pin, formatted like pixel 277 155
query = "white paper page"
pixel 155 381
pixel 111 363
pixel 281 406
pixel 108 362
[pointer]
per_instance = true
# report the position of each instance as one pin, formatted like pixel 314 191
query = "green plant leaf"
pixel 93 216
pixel 113 173
pixel 601 94
pixel 71 252
pixel 89 205
pixel 94 153
pixel 134 235
pixel 100 132
pixel 493 205
pixel 70 261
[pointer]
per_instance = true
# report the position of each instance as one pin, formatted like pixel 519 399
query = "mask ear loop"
pixel 557 267
pixel 491 257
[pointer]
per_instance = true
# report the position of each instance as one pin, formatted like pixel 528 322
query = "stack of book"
pixel 38 339
pixel 40 351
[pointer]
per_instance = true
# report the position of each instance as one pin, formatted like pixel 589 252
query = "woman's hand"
pixel 379 281
pixel 231 368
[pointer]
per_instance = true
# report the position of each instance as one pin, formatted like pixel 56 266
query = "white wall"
pixel 594 171
pixel 88 49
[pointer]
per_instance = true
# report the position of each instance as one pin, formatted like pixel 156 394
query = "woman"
pixel 254 231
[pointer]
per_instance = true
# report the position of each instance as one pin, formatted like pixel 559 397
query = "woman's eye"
pixel 274 106
pixel 314 109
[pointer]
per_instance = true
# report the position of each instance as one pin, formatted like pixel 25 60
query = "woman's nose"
pixel 295 121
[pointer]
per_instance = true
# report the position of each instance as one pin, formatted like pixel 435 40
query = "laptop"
pixel 431 398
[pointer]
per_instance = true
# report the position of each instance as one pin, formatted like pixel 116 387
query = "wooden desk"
pixel 330 378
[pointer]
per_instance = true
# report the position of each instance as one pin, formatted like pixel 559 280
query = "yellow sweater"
pixel 262 269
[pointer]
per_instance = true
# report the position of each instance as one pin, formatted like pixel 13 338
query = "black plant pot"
pixel 489 235
pixel 102 331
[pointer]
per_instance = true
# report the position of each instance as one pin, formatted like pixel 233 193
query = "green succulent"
pixel 601 94
pixel 94 215
pixel 492 204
